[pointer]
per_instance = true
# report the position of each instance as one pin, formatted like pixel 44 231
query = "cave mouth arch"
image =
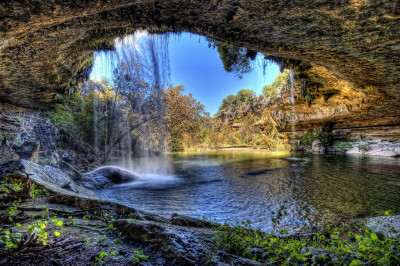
pixel 338 48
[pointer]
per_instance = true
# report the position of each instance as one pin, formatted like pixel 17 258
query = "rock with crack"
pixel 51 178
pixel 181 244
pixel 107 176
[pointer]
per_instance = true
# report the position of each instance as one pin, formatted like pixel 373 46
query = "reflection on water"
pixel 238 185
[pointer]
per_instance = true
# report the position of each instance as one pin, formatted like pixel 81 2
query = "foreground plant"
pixel 333 245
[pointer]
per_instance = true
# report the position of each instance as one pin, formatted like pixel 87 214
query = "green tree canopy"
pixel 234 58
pixel 243 96
pixel 281 81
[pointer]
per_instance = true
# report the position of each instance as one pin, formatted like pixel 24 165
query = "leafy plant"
pixel 38 193
pixel 45 161
pixel 139 256
pixel 324 136
pixel 38 229
pixel 336 245
pixel 363 147
pixel 100 258
pixel 10 240
pixel 101 239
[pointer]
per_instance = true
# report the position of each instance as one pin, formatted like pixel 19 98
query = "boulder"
pixel 354 150
pixel 53 179
pixel 29 150
pixel 107 176
pixel 386 153
pixel 10 167
pixel 317 146
pixel 177 219
pixel 386 225
pixel 6 155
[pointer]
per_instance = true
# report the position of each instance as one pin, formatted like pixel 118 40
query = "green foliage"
pixel 243 96
pixel 45 161
pixel 10 240
pixel 139 257
pixel 389 213
pixel 100 258
pixel 76 114
pixel 338 245
pixel 234 58
pixel 324 136
pixel 101 239
pixel 363 147
pixel 38 229
pixel 16 186
pixel 38 193
pixel 343 144
pixel 64 112
pixel 280 82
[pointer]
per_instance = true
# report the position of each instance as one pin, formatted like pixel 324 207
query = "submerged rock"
pixel 382 153
pixel 107 176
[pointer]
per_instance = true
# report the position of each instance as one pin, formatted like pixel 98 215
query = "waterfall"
pixel 292 88
pixel 145 58
pixel 95 121
pixel 293 101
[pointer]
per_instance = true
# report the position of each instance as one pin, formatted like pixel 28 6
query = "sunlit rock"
pixel 53 179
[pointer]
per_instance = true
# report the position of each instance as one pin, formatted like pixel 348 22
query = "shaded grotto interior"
pixel 344 53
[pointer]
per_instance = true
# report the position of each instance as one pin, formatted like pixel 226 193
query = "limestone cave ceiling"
pixel 344 52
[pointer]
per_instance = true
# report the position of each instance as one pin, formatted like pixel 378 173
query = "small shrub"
pixel 139 256
pixel 38 193
pixel 45 161
pixel 324 136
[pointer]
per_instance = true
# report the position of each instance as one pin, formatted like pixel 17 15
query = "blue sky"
pixel 200 70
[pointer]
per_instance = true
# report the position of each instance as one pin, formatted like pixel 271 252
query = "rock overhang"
pixel 349 49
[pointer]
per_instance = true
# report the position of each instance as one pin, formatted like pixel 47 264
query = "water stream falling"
pixel 140 70
pixel 293 101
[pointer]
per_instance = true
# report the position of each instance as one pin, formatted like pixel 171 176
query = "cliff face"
pixel 345 53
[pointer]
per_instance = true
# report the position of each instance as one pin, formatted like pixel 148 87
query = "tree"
pixel 281 81
pixel 243 96
pixel 235 59
pixel 183 114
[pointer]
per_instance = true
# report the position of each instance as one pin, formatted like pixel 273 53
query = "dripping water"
pixel 293 102
pixel 146 59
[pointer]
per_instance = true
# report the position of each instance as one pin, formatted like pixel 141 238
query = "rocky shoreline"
pixel 95 231
pixel 378 147
pixel 92 226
